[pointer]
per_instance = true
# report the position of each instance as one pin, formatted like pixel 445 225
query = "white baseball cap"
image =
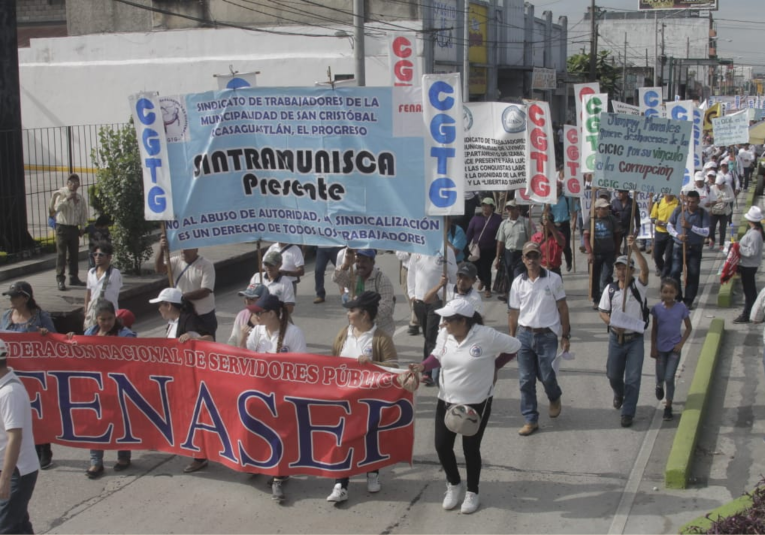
pixel 456 307
pixel 720 179
pixel 710 165
pixel 3 350
pixel 699 176
pixel 169 295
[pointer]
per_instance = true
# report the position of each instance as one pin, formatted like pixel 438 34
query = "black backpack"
pixel 643 304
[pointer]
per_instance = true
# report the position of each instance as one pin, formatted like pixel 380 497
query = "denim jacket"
pixel 39 320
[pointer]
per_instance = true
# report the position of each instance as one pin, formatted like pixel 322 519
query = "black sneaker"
pixel 74 281
pixel 741 319
pixel 626 421
pixel 414 330
pixel 61 286
pixel 46 460
pixel 618 402
pixel 668 413
pixel 659 392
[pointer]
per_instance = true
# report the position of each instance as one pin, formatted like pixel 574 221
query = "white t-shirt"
pixel 260 342
pixel 292 257
pixel 473 297
pixel 355 347
pixel 425 272
pixel 537 300
pixel 200 274
pixel 16 413
pixel 467 368
pixel 632 308
pixel 281 288
pixel 112 289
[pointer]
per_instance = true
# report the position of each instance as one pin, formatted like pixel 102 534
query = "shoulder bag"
pixel 475 251
pixel 90 315
pixel 461 418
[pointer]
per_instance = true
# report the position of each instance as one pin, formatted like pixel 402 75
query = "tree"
pixel 607 74
pixel 119 193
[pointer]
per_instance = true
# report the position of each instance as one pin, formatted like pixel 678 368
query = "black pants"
pixel 602 274
pixel 513 266
pixel 483 266
pixel 662 252
pixel 565 229
pixel 471 446
pixel 714 219
pixel 750 288
pixel 210 322
pixel 344 480
pixel 67 245
pixel 429 321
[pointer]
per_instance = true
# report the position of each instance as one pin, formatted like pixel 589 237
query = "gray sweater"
pixel 750 248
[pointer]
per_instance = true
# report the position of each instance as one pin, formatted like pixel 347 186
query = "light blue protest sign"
pixel 644 154
pixel 315 166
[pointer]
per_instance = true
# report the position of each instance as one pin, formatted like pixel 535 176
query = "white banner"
pixel 543 79
pixel 698 125
pixel 540 154
pixel 237 81
pixel 682 110
pixel 731 129
pixel 650 101
pixel 444 144
pixel 644 206
pixel 152 143
pixel 586 206
pixel 573 185
pixel 592 106
pixel 402 59
pixel 495 145
pixel 580 91
pixel 621 107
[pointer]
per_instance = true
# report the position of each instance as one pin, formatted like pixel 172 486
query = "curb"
pixel 18 270
pixel 726 510
pixel 686 436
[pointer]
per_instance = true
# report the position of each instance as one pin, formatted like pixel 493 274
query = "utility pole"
pixel 663 57
pixel 359 55
pixel 624 70
pixel 593 43
pixel 466 56
pixel 655 49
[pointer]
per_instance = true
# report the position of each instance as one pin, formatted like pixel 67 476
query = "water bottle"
pixel 732 232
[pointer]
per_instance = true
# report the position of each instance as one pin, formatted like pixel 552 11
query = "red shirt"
pixel 551 251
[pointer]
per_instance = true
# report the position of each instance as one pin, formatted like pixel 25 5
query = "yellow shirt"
pixel 662 210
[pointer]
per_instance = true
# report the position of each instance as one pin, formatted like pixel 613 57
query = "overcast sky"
pixel 744 48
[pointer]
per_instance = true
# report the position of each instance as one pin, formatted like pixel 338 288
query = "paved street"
pixel 581 473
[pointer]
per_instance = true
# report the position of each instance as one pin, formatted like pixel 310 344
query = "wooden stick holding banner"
pixel 628 275
pixel 592 237
pixel 446 249
pixel 685 249
pixel 167 260
pixel 260 262
pixel 572 233
pixel 351 272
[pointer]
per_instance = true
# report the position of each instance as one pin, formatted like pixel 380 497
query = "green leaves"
pixel 119 194
pixel 607 73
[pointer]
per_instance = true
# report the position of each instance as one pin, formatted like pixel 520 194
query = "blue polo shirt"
pixel 699 219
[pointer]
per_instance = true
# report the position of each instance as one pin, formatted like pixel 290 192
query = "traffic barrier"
pixel 689 428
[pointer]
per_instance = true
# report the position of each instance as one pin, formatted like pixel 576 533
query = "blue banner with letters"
pixel 315 166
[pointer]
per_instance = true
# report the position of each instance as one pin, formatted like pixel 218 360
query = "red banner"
pixel 282 414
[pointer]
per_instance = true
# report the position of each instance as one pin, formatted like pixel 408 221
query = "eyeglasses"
pixel 531 256
pixel 100 254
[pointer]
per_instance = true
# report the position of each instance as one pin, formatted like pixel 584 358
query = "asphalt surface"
pixel 580 473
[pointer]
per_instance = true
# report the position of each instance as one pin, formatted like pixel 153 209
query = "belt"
pixel 562 223
pixel 535 330
pixel 628 336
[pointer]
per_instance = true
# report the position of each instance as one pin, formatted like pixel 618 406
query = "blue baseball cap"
pixel 371 253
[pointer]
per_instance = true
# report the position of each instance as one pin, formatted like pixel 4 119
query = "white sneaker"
pixel 452 497
pixel 339 494
pixel 373 483
pixel 471 503
pixel 277 494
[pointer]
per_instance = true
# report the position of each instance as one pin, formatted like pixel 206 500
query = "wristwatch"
pixel 566 336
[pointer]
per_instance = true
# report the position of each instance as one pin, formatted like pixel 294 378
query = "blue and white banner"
pixel 731 129
pixel 650 99
pixel 444 144
pixel 238 80
pixel 682 110
pixel 148 118
pixel 314 166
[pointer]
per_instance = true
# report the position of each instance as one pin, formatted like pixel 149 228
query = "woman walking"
pixel 482 231
pixel 469 355
pixel 750 248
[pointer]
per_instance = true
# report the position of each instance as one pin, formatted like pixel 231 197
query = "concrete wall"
pixel 39 11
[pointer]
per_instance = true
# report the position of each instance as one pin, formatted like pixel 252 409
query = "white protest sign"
pixel 540 154
pixel 543 79
pixel 586 205
pixel 572 175
pixel 581 91
pixel 682 110
pixel 152 143
pixel 646 154
pixel 650 101
pixel 644 206
pixel 625 321
pixel 731 129
pixel 444 144
pixel 238 80
pixel 621 107
pixel 495 145
pixel 592 107
pixel 402 59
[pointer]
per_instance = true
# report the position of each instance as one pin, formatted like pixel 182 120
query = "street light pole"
pixel 593 43
pixel 359 56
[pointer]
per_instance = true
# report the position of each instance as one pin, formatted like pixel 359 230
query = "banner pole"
pixel 628 277
pixel 447 221
pixel 260 262
pixel 572 218
pixel 592 236
pixel 685 251
pixel 167 260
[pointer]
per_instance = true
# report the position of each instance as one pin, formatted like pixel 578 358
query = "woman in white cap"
pixel 275 334
pixel 362 341
pixel 245 321
pixel 750 248
pixel 483 231
pixel 469 355
pixel 719 205
pixel 183 324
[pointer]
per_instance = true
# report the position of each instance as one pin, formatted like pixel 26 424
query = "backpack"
pixel 636 294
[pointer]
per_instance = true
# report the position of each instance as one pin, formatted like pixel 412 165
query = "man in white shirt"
pixel 272 278
pixel 744 161
pixel 194 275
pixel 698 184
pixel 537 316
pixel 71 213
pixel 102 279
pixel 425 271
pixel 293 263
pixel 625 345
pixel 19 465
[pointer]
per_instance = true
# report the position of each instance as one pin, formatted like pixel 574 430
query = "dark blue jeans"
pixel 14 517
pixel 693 263
pixel 662 252
pixel 538 350
pixel 666 367
pixel 602 274
pixel 324 255
pixel 624 368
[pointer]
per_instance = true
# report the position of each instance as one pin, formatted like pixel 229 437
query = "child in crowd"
pixel 98 232
pixel 666 340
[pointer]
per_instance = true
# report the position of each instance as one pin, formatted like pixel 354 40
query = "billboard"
pixel 650 5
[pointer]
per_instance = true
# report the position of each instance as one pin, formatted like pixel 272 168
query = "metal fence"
pixel 50 156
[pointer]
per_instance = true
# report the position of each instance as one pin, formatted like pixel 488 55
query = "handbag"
pixel 719 208
pixel 461 418
pixel 409 381
pixel 475 251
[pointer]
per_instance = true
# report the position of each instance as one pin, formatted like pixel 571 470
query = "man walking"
pixel 625 346
pixel 71 213
pixel 621 206
pixel 19 465
pixel 601 253
pixel 537 316
pixel 689 227
pixel 662 241
pixel 561 214
pixel 512 234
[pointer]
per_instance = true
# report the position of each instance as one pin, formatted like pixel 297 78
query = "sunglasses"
pixel 100 254
pixel 532 256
